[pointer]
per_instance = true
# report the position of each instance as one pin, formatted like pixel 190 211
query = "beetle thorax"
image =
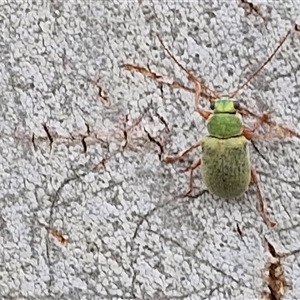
pixel 225 122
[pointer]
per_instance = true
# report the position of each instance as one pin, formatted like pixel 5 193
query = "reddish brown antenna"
pixel 262 66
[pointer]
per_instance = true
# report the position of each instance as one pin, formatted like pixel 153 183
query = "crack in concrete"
pixel 191 254
pixel 55 199
pixel 274 275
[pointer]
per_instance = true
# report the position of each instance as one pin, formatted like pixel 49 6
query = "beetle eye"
pixel 212 105
pixel 237 104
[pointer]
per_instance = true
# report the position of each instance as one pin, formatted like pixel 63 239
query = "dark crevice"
pixel 48 135
pixel 50 227
pixel 152 140
pixel 259 153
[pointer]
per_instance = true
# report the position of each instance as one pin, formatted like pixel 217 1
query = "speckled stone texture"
pixel 131 235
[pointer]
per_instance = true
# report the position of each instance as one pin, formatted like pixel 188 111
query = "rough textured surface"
pixel 121 247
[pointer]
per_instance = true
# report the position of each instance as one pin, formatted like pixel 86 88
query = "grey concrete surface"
pixel 130 235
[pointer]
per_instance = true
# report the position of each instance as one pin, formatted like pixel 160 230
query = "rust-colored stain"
pixel 59 236
pixel 274 275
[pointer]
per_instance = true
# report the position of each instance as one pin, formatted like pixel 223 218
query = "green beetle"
pixel 226 178
pixel 225 164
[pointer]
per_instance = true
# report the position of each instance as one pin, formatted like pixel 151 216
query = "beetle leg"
pixel 263 119
pixel 278 132
pixel 203 113
pixel 281 131
pixel 195 165
pixel 173 158
pixel 261 201
pixel 249 133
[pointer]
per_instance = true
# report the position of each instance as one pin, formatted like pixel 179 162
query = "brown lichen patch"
pixel 274 274
pixel 59 236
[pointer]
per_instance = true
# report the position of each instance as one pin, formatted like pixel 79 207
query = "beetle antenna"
pixel 183 68
pixel 262 66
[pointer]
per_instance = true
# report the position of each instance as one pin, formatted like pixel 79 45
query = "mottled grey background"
pixel 50 53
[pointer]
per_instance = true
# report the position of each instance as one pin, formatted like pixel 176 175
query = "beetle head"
pixel 225 105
